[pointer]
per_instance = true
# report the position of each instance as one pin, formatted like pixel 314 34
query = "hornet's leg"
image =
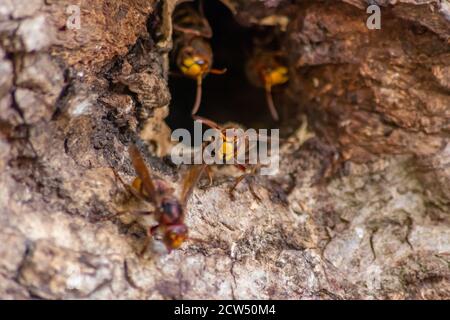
pixel 136 193
pixel 187 31
pixel 210 175
pixel 198 95
pixel 148 239
pixel 119 213
pixel 270 103
pixel 252 190
pixel 236 183
pixel 250 184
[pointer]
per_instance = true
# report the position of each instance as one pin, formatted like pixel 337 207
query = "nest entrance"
pixel 228 97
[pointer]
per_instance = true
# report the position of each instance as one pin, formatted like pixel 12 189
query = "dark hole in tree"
pixel 228 97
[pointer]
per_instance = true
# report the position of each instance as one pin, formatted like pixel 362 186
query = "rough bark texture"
pixel 378 102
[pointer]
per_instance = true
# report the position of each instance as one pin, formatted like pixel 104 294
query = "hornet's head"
pixel 196 60
pixel 175 235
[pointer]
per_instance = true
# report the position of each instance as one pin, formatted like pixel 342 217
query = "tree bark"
pixel 378 114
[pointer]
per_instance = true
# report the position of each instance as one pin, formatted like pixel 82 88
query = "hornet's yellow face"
pixel 276 76
pixel 174 236
pixel 227 149
pixel 194 66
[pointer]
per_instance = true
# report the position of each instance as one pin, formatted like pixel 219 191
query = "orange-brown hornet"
pixel 169 209
pixel 266 70
pixel 229 149
pixel 192 52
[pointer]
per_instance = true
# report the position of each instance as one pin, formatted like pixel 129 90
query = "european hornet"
pixel 169 210
pixel 192 52
pixel 266 70
pixel 232 141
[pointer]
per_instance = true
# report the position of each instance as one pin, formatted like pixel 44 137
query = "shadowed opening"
pixel 228 97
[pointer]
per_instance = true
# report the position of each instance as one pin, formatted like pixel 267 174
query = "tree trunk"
pixel 360 207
